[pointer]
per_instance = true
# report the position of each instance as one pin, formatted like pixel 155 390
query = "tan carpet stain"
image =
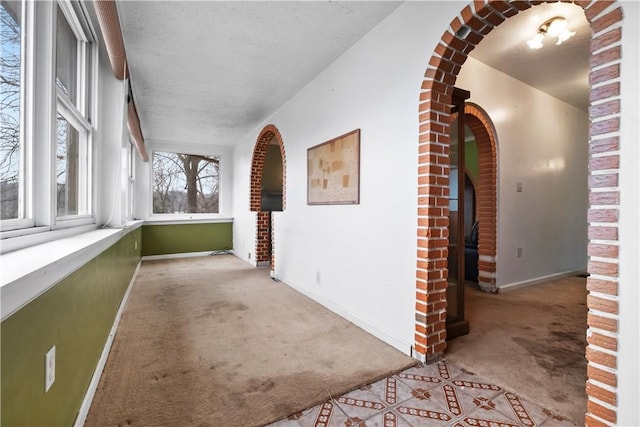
pixel 531 341
pixel 213 341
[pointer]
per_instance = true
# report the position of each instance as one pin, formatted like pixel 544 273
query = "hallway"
pixel 214 341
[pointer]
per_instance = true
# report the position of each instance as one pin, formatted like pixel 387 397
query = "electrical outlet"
pixel 49 368
pixel 518 252
pixel 249 255
pixel 317 277
pixel 135 245
pixel 519 187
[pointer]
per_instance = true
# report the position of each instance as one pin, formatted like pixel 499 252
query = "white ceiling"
pixel 561 71
pixel 208 72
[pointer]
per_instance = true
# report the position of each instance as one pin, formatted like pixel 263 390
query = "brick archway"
pixel 485 187
pixel 478 19
pixel 263 218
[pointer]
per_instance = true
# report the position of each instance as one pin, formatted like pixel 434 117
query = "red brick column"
pixel 480 18
pixel 263 225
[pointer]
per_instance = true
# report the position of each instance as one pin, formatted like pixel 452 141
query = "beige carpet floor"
pixel 531 341
pixel 213 341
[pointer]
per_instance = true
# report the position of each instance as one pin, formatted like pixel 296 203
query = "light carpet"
pixel 213 341
pixel 531 341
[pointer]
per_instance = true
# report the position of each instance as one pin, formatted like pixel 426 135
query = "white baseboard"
pixel 517 285
pixel 97 373
pixel 398 343
pixel 186 254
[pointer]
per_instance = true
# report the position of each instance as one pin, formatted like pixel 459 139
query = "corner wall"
pixel 163 239
pixel 76 316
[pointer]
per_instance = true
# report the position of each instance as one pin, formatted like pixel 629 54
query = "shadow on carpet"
pixel 213 341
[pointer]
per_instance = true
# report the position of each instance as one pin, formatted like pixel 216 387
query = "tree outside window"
pixel 185 183
pixel 10 100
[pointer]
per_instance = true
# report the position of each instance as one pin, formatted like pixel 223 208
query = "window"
pixel 73 139
pixel 46 153
pixel 185 183
pixel 129 168
pixel 11 106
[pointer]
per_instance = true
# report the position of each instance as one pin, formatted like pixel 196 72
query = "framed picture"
pixel 333 171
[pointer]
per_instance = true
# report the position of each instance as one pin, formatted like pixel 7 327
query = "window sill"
pixel 20 239
pixel 29 272
pixel 184 219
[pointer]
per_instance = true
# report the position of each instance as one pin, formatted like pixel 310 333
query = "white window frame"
pixel 184 216
pixel 25 190
pixel 77 116
pixel 40 112
pixel 129 169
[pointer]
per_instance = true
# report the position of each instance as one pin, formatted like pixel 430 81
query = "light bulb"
pixel 565 35
pixel 557 26
pixel 536 41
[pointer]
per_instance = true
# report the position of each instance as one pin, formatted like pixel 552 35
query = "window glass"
pixel 185 183
pixel 71 177
pixel 66 58
pixel 11 89
pixel 73 136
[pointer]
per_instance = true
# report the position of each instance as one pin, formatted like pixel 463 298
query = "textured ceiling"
pixel 208 72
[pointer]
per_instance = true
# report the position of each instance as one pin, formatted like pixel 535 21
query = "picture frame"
pixel 333 171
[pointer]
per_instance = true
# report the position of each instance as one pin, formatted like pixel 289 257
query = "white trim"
pixel 21 282
pixel 20 239
pixel 517 285
pixel 97 373
pixel 404 347
pixel 72 19
pixel 182 255
pixel 180 220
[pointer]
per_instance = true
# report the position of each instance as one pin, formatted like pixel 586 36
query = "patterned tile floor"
pixel 438 394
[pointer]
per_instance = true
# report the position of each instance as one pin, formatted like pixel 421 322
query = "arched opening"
pixel 267 193
pixel 464 33
pixel 486 195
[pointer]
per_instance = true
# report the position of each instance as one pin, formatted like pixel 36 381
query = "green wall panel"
pixel 471 159
pixel 76 316
pixel 182 238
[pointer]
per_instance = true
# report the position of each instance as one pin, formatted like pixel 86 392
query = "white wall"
pixel 543 144
pixel 365 254
pixel 111 136
pixel 629 290
pixel 359 260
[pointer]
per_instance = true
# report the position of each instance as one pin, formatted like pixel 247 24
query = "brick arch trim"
pixel 265 138
pixel 486 200
pixel 483 129
pixel 478 19
pixel 264 230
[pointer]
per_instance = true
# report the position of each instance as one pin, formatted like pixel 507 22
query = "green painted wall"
pixel 183 238
pixel 75 316
pixel 471 159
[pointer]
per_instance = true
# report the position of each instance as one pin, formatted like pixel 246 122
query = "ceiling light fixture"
pixel 555 27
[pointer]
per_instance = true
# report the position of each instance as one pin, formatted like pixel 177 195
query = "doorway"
pixel 457 324
pixel 456 43
pixel 267 193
